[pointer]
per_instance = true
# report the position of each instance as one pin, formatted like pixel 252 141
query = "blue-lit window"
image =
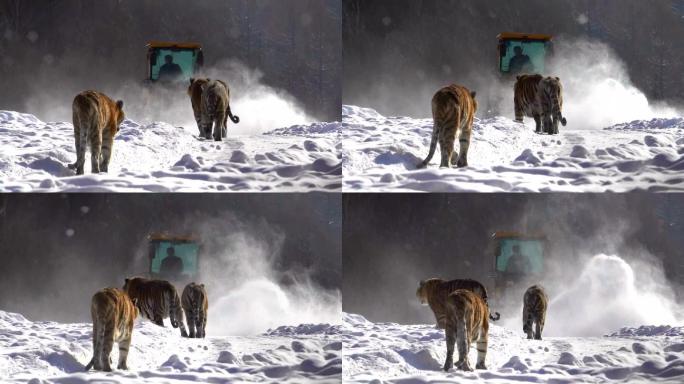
pixel 180 59
pixel 531 251
pixel 530 60
pixel 187 252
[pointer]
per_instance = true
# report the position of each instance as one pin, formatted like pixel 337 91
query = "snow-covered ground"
pixel 162 158
pixel 380 154
pixel 49 352
pixel 388 352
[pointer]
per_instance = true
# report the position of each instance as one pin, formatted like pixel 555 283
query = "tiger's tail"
pixel 235 119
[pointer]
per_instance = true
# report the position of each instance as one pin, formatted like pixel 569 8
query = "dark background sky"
pixel 47 275
pixel 81 44
pixel 398 53
pixel 392 241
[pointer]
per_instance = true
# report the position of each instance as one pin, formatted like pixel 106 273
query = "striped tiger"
pixel 466 322
pixel 113 314
pixel 214 107
pixel 541 98
pixel 195 306
pixel 96 120
pixel 453 111
pixel 156 300
pixel 535 303
pixel 434 292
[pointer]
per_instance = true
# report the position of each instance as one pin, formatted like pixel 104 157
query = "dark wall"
pixel 47 274
pixel 84 44
pixel 392 241
pixel 398 53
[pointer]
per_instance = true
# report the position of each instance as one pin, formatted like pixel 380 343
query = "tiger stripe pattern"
pixel 535 303
pixel 541 98
pixel 195 305
pixel 156 300
pixel 96 120
pixel 466 322
pixel 434 292
pixel 453 111
pixel 210 101
pixel 113 315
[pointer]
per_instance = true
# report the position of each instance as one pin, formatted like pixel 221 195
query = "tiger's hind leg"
pixel 537 329
pixel 482 343
pixel 81 140
pixel 107 345
pixel 97 347
pixel 556 121
pixel 220 126
pixel 190 319
pixel 547 124
pixel 158 320
pixel 95 151
pixel 463 339
pixel 124 345
pixel 464 143
pixel 527 322
pixel 537 123
pixel 541 318
pixel 450 334
pixel 107 144
pixel 519 113
pixel 446 147
pixel 202 324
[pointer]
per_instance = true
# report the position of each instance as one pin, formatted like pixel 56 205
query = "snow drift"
pixel 390 352
pixel 160 157
pixel 380 154
pixel 49 352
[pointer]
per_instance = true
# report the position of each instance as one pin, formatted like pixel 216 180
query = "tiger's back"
pixel 535 303
pixel 453 111
pixel 435 292
pixel 466 322
pixel 113 314
pixel 156 300
pixel 96 120
pixel 195 305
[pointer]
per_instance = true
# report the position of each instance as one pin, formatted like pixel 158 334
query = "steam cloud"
pixel 247 294
pixel 597 90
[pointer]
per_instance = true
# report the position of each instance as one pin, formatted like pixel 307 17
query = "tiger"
pixel 535 303
pixel 453 111
pixel 195 306
pixel 466 322
pixel 113 314
pixel 541 98
pixel 156 300
pixel 211 106
pixel 434 292
pixel 96 120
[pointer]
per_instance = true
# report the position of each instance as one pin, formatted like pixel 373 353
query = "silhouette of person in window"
pixel 170 71
pixel 518 263
pixel 519 62
pixel 172 265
